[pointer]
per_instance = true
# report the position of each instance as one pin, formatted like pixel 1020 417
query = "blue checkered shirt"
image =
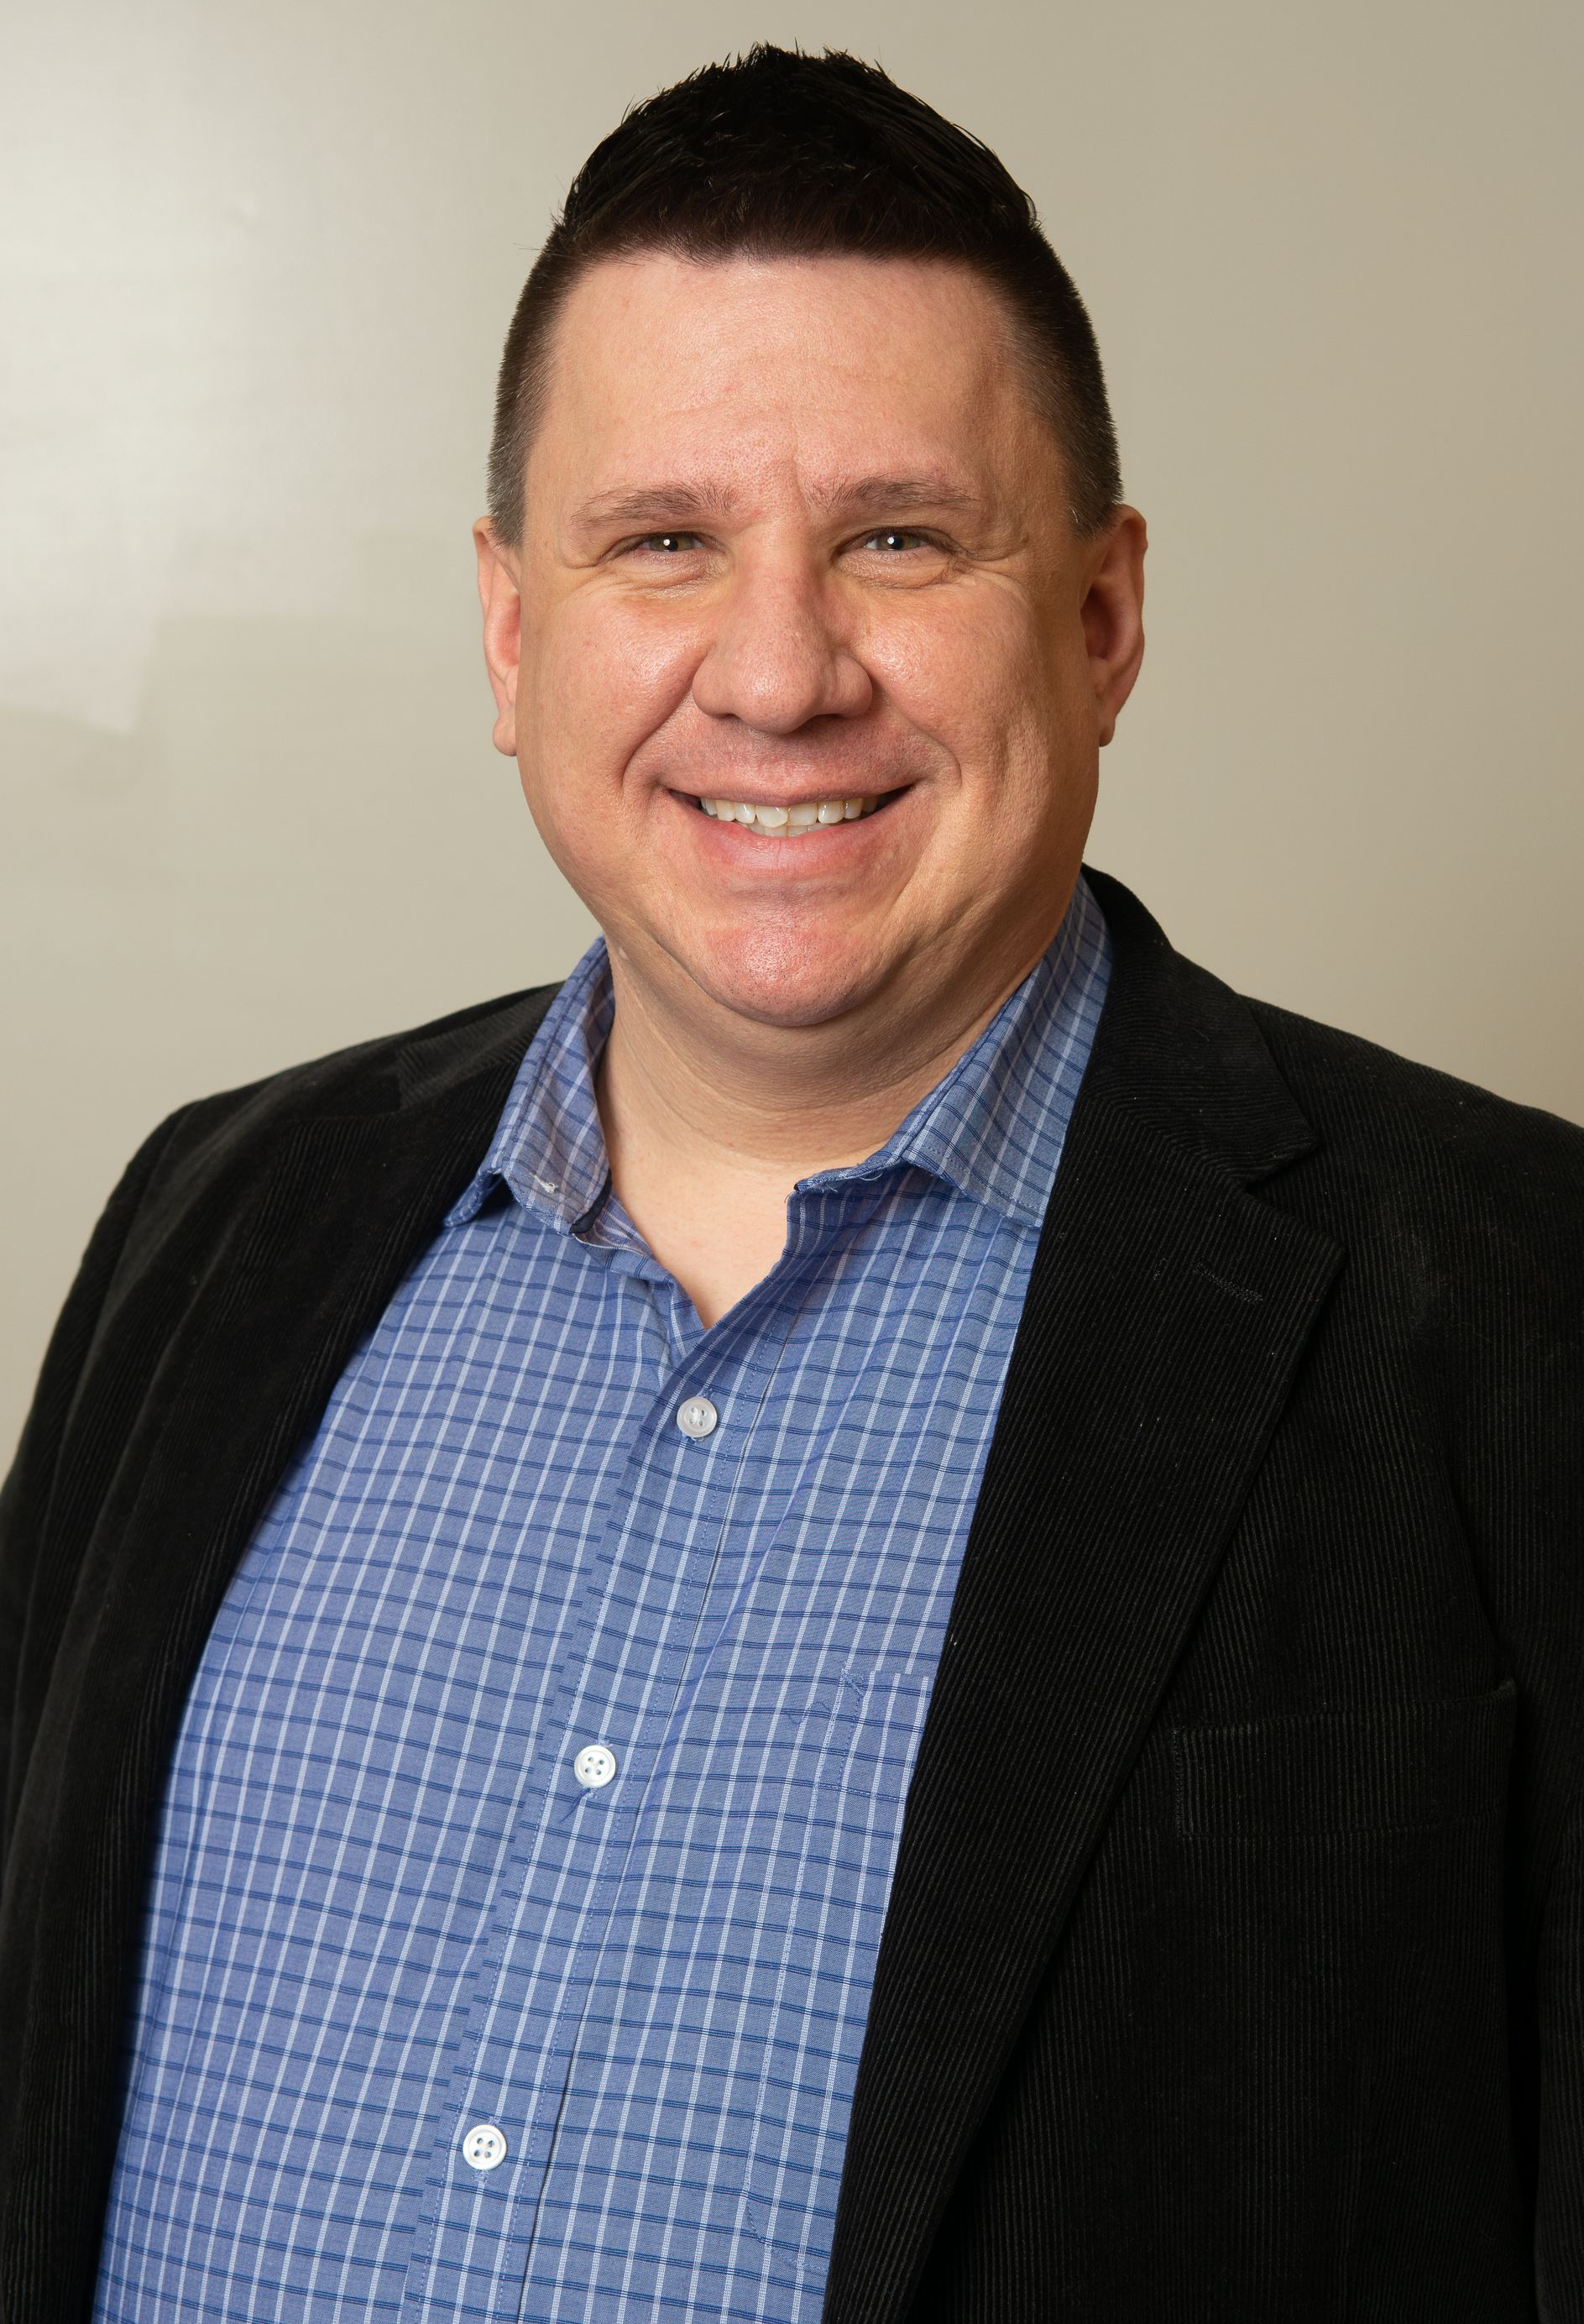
pixel 530 1826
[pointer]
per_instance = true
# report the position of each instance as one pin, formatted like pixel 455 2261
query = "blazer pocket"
pixel 1411 1767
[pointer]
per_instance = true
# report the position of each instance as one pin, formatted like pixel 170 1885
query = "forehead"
pixel 852 365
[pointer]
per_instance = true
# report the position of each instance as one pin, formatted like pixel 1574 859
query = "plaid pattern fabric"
pixel 425 2024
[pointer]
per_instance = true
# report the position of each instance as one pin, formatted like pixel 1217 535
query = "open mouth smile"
pixel 798 818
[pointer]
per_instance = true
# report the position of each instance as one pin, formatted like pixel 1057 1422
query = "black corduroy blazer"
pixel 1234 1966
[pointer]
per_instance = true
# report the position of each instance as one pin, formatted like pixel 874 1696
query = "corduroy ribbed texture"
pixel 1258 1990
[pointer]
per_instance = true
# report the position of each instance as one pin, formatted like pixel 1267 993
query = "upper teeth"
pixel 789 822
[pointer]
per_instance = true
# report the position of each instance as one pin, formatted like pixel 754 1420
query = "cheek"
pixel 968 671
pixel 995 681
pixel 599 679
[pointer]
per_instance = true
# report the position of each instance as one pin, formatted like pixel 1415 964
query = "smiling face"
pixel 796 543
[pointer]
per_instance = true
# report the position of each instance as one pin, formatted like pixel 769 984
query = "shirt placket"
pixel 626 1662
pixel 744 1527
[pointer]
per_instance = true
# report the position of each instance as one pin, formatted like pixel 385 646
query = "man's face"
pixel 795 539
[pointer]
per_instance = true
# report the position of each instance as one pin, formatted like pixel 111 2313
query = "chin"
pixel 774 978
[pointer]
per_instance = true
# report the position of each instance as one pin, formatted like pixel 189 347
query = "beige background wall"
pixel 256 266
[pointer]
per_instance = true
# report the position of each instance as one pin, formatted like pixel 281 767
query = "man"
pixel 878 1615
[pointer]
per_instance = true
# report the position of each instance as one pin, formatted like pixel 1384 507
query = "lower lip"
pixel 822 843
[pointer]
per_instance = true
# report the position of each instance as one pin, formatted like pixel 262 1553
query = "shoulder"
pixel 172 1212
pixel 1404 1134
pixel 1321 1120
pixel 1461 1217
pixel 448 1054
pixel 203 1160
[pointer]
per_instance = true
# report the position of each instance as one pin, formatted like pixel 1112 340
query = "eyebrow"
pixel 654 507
pixel 866 495
pixel 648 504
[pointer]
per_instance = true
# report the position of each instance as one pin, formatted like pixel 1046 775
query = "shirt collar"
pixel 993 1126
pixel 549 1148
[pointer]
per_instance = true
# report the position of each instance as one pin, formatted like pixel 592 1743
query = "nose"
pixel 778 657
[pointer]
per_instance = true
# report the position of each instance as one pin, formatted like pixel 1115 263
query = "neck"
pixel 776 1099
pixel 710 1120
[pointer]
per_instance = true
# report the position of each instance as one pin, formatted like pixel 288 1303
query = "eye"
pixel 669 544
pixel 892 539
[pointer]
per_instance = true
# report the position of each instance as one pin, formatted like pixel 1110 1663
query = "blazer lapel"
pixel 1166 1316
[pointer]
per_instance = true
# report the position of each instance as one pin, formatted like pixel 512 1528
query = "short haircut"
pixel 780 155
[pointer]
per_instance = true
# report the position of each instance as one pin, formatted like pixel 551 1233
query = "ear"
pixel 1113 614
pixel 500 595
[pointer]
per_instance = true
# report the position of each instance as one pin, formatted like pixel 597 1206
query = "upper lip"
pixel 790 798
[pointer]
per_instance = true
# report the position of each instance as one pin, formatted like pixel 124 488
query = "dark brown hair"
pixel 781 155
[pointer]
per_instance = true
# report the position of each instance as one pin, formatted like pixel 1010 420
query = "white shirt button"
pixel 483 2146
pixel 698 1416
pixel 594 1766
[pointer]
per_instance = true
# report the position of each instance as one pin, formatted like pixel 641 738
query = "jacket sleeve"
pixel 1559 2226
pixel 24 1499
